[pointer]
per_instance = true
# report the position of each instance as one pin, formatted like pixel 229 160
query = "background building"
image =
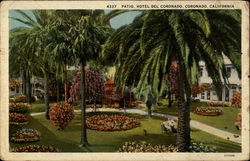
pixel 228 90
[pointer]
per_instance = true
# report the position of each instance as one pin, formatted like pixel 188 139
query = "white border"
pixel 4 90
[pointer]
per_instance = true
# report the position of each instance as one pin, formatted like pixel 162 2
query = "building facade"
pixel 234 83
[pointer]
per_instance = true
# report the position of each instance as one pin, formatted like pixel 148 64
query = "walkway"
pixel 195 124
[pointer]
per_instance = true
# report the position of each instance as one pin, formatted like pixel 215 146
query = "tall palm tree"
pixel 145 49
pixel 37 43
pixel 87 30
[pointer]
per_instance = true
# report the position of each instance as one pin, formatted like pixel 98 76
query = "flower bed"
pixel 35 148
pixel 25 135
pixel 200 147
pixel 16 99
pixel 111 122
pixel 145 147
pixel 17 119
pixel 207 111
pixel 19 107
pixel 218 104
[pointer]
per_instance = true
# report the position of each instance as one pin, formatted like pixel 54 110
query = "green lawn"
pixel 224 121
pixel 38 106
pixel 68 140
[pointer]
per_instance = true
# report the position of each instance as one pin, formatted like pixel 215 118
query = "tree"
pixel 37 43
pixel 145 49
pixel 94 86
pixel 87 30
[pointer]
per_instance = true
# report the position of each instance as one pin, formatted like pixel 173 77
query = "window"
pixel 202 95
pixel 201 71
pixel 228 71
pixel 208 95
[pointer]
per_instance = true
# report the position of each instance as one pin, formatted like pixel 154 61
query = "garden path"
pixel 195 124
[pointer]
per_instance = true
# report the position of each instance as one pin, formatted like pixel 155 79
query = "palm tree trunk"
pixel 46 95
pixel 24 83
pixel 84 141
pixel 28 86
pixel 169 97
pixel 184 94
pixel 57 91
pixel 65 84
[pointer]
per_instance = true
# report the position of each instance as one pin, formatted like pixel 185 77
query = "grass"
pixel 38 106
pixel 226 121
pixel 68 140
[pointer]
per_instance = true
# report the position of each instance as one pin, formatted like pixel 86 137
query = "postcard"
pixel 124 80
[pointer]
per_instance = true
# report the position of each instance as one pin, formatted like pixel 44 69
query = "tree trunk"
pixel 169 98
pixel 149 106
pixel 24 83
pixel 184 94
pixel 149 112
pixel 46 95
pixel 57 91
pixel 65 84
pixel 84 141
pixel 28 86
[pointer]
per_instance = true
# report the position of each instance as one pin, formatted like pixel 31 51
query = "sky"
pixel 116 22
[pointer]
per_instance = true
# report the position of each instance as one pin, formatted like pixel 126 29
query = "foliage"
pixel 94 86
pixel 144 50
pixel 35 148
pixel 14 83
pixel 207 111
pixel 218 104
pixel 238 121
pixel 196 89
pixel 25 135
pixel 200 147
pixel 111 122
pixel 17 99
pixel 19 107
pixel 17 119
pixel 146 147
pixel 236 99
pixel 61 114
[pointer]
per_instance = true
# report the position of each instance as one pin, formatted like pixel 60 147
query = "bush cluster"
pixel 146 147
pixel 207 111
pixel 35 148
pixel 19 107
pixel 25 135
pixel 17 99
pixel 17 119
pixel 218 104
pixel 61 114
pixel 200 147
pixel 111 122
pixel 236 99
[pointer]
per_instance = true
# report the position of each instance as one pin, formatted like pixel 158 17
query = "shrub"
pixel 146 147
pixel 35 148
pixel 25 135
pixel 207 111
pixel 16 99
pixel 199 147
pixel 61 114
pixel 17 119
pixel 111 122
pixel 19 107
pixel 236 99
pixel 218 104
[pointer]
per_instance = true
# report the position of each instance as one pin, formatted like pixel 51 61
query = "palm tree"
pixel 87 30
pixel 145 49
pixel 37 43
